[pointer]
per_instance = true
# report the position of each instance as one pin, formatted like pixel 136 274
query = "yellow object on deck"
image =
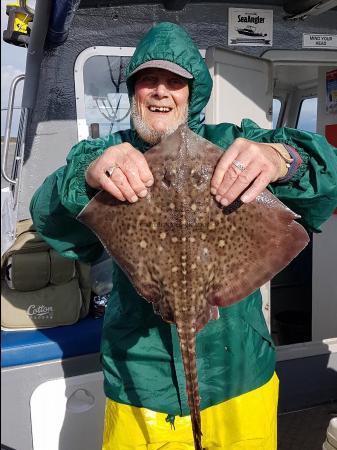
pixel 246 422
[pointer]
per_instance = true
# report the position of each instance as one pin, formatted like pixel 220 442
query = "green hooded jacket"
pixel 140 353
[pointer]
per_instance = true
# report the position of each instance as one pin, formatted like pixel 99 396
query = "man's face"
pixel 160 103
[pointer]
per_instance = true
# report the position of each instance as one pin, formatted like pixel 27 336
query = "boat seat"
pixel 34 346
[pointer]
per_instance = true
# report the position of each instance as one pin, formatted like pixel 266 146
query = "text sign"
pixel 319 40
pixel 250 27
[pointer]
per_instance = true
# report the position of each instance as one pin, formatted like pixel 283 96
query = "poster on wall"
pixel 250 27
pixel 331 91
pixel 331 135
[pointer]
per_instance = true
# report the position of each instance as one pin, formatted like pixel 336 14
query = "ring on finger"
pixel 110 170
pixel 238 164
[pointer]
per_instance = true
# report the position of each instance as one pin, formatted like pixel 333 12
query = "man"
pixel 169 84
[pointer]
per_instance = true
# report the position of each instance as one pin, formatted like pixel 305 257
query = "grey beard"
pixel 147 133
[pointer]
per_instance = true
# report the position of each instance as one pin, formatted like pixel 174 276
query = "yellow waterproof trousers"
pixel 246 422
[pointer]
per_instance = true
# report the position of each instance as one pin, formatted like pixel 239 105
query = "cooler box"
pixel 52 385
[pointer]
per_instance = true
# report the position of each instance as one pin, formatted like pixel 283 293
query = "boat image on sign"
pixel 253 36
pixel 250 30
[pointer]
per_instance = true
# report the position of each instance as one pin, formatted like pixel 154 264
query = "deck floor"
pixel 305 429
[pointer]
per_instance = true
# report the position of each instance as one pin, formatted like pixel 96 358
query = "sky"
pixel 13 62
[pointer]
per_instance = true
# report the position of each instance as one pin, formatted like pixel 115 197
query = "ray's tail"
pixel 187 348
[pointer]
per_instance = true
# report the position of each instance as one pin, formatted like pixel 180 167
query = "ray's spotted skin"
pixel 186 253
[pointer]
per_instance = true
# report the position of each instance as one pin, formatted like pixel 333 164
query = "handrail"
pixel 19 153
pixel 8 127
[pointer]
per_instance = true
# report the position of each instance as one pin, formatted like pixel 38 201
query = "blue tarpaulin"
pixel 62 14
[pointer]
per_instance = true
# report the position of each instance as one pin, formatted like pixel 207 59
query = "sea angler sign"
pixel 251 27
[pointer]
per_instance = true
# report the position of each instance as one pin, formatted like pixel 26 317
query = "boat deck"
pixel 305 429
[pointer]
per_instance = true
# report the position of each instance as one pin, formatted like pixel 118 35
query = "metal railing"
pixel 17 163
pixel 8 127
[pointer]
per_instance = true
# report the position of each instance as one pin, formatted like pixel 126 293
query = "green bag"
pixel 40 288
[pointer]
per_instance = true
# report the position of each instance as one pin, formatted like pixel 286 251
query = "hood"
pixel 170 42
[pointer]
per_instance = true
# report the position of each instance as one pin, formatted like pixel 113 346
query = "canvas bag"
pixel 40 288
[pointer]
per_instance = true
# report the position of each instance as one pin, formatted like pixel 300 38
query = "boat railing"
pixel 9 194
pixel 16 167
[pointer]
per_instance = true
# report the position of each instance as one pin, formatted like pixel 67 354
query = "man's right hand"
pixel 130 175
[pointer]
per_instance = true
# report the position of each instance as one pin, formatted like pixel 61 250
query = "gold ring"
pixel 238 165
pixel 110 171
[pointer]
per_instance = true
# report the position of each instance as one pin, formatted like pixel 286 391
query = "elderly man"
pixel 169 84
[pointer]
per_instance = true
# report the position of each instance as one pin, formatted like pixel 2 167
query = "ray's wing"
pixel 254 242
pixel 249 243
pixel 131 234
pixel 121 228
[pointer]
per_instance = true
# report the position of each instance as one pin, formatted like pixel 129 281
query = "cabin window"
pixel 291 289
pixel 276 111
pixel 107 107
pixel 102 101
pixel 307 117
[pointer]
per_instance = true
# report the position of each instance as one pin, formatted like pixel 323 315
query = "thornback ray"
pixel 186 253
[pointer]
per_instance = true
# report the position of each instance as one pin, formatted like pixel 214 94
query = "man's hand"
pixel 130 173
pixel 245 163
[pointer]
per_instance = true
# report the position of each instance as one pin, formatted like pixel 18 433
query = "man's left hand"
pixel 245 163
